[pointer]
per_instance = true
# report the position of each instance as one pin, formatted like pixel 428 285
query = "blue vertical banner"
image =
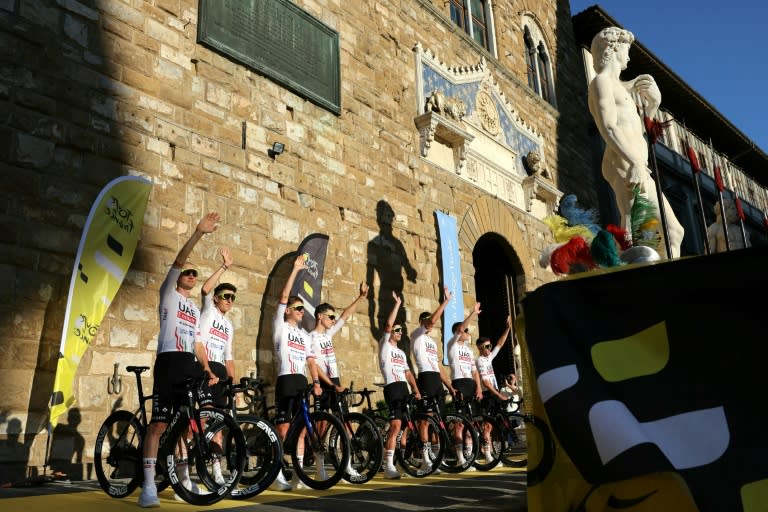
pixel 451 274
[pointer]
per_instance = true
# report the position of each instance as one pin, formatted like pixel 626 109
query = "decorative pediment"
pixel 466 124
pixel 477 87
pixel 443 122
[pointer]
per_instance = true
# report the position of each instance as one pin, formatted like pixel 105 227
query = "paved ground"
pixel 502 489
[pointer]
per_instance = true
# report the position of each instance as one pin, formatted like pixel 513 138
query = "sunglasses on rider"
pixel 227 296
pixel 398 329
pixel 297 307
pixel 486 345
pixel 189 272
pixel 330 317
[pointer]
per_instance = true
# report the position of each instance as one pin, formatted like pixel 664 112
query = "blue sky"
pixel 718 48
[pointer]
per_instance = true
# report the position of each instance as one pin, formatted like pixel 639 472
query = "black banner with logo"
pixel 309 282
pixel 649 383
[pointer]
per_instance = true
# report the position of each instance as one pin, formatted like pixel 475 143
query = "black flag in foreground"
pixel 648 388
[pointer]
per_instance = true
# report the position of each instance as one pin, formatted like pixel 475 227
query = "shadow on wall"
pixel 67 444
pixel 61 146
pixel 386 263
pixel 65 456
pixel 14 452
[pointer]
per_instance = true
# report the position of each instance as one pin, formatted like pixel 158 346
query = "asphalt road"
pixel 501 489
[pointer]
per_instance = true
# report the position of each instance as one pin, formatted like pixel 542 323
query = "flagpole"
pixel 739 209
pixel 696 170
pixel 720 189
pixel 657 180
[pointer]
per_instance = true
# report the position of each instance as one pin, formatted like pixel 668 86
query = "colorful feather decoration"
pixel 572 257
pixel 620 234
pixel 562 232
pixel 644 217
pixel 604 249
pixel 577 216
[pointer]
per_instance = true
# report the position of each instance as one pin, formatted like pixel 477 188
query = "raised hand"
pixel 226 256
pixel 208 223
pixel 300 263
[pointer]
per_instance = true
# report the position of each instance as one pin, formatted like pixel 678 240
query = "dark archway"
pixel 498 277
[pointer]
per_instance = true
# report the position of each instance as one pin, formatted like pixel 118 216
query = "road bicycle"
pixel 326 450
pixel 511 445
pixel 514 447
pixel 264 451
pixel 460 431
pixel 365 439
pixel 489 431
pixel 410 448
pixel 190 433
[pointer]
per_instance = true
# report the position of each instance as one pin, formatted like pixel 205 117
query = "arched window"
pixel 475 17
pixel 530 61
pixel 543 69
pixel 537 62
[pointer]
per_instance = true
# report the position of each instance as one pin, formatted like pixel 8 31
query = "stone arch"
pixel 489 215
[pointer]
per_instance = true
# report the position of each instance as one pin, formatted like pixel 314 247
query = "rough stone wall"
pixel 94 89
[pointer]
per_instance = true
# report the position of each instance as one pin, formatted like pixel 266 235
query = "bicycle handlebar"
pixel 364 394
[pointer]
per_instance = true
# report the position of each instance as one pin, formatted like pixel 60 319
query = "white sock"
pixel 182 471
pixel 425 452
pixel 149 472
pixel 390 455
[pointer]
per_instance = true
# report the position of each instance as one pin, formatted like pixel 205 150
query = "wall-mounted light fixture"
pixel 276 149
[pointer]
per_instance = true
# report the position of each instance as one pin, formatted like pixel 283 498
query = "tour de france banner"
pixel 451 274
pixel 649 388
pixel 309 282
pixel 104 255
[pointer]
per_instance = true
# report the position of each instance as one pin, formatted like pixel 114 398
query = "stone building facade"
pixel 95 89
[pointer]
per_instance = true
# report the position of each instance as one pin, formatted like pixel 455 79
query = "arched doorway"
pixel 498 276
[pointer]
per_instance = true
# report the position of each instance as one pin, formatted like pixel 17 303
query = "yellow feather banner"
pixel 104 255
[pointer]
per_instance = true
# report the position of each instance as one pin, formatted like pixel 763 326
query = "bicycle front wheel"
pixel 462 435
pixel 491 442
pixel 264 457
pixel 217 455
pixel 514 451
pixel 117 456
pixel 410 448
pixel 326 451
pixel 366 447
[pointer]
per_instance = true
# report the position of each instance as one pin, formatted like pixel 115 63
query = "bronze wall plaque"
pixel 279 40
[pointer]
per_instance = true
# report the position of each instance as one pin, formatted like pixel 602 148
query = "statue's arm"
pixel 644 88
pixel 602 103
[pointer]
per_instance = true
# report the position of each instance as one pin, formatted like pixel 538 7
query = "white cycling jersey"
pixel 392 361
pixel 178 317
pixel 424 350
pixel 215 332
pixel 460 359
pixel 322 348
pixel 292 347
pixel 485 368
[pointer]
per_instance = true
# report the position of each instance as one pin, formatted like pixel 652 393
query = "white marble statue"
pixel 716 233
pixel 614 106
